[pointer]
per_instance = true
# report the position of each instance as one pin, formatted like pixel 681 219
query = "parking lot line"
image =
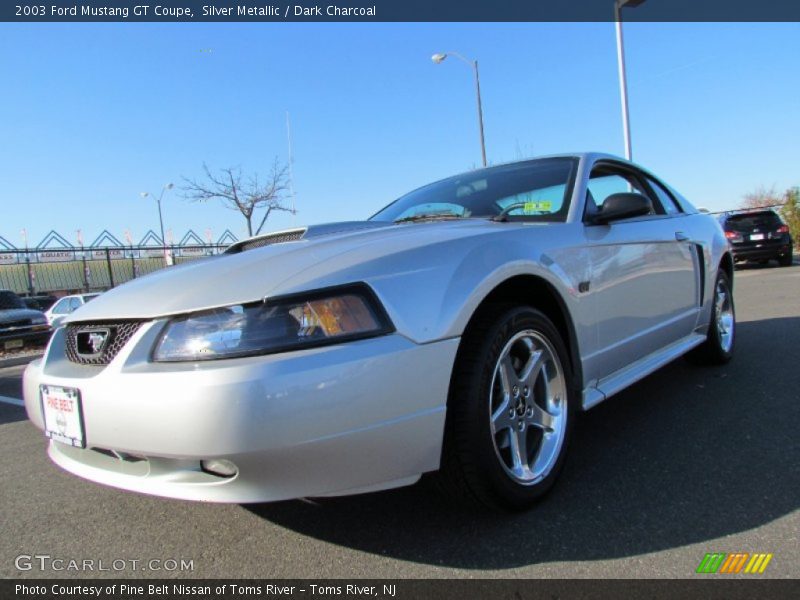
pixel 14 401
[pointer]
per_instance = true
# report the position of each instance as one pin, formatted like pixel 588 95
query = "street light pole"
pixel 438 59
pixel 623 83
pixel 168 186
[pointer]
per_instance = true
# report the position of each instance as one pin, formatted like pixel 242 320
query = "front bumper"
pixel 341 419
pixel 36 333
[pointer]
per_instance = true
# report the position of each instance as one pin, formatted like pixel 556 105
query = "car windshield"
pixel 535 190
pixel 9 300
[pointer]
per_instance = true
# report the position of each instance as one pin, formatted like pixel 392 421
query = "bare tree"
pixel 761 198
pixel 247 196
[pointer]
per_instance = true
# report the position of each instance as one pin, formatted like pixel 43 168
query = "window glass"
pixel 74 304
pixel 604 184
pixel 434 208
pixel 749 221
pixel 533 190
pixel 667 202
pixel 61 307
pixel 543 201
pixel 9 300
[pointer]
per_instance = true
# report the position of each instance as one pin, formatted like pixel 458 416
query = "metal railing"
pixel 72 270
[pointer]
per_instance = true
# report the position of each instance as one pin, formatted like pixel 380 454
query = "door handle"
pixel 681 237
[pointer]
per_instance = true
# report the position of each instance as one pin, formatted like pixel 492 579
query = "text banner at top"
pixel 401 10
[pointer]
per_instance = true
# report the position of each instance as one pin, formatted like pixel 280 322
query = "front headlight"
pixel 323 317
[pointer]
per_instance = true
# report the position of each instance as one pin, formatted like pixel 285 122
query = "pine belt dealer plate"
pixel 63 415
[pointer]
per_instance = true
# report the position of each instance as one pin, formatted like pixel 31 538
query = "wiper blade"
pixel 429 217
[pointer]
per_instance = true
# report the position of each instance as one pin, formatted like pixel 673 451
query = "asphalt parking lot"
pixel 688 461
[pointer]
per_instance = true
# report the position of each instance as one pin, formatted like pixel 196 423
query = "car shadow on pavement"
pixel 689 454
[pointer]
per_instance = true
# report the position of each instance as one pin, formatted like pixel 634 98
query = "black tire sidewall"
pixel 720 354
pixel 488 471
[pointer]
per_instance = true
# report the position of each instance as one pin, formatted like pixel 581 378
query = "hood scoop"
pixel 292 235
pixel 260 241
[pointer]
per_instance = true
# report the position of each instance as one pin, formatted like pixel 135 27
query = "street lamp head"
pixel 629 3
pixel 169 186
pixel 144 194
pixel 439 57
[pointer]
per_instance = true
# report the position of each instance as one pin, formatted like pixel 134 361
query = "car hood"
pixel 19 314
pixel 247 275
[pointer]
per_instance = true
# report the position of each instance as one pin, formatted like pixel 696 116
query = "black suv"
pixel 758 235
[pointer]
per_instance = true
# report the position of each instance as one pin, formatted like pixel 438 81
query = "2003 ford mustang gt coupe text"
pixel 459 330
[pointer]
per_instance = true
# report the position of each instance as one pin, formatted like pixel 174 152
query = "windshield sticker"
pixel 535 207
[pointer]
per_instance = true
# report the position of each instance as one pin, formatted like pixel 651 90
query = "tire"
pixel 506 435
pixel 786 261
pixel 721 337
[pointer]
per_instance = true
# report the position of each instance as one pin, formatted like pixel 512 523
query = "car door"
pixel 645 272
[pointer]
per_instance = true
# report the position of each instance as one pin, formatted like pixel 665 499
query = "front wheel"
pixel 718 346
pixel 510 409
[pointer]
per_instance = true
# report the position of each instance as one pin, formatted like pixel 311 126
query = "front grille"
pixel 118 335
pixel 23 323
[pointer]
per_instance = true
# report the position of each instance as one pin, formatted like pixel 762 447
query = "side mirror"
pixel 623 205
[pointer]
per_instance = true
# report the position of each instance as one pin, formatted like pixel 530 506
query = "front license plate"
pixel 63 416
pixel 11 344
pixel 757 236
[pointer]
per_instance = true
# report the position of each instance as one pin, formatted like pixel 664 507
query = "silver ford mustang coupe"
pixel 460 329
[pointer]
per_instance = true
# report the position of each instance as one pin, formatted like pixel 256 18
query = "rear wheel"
pixel 718 346
pixel 786 261
pixel 510 409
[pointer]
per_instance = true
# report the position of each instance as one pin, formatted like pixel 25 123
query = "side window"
pixel 61 307
pixel 665 198
pixel 74 304
pixel 606 180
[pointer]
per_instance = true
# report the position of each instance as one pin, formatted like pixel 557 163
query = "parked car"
pixel 66 306
pixel 20 325
pixel 460 329
pixel 758 235
pixel 41 303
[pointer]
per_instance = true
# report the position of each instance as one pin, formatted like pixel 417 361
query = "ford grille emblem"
pixel 92 343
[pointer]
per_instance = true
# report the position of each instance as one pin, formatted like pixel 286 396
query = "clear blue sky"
pixel 93 114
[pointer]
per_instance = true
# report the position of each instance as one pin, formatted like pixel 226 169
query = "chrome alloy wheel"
pixel 528 407
pixel 723 309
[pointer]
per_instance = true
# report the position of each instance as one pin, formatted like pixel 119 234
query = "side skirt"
pixel 604 388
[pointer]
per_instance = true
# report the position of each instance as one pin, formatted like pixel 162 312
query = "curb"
pixel 15 361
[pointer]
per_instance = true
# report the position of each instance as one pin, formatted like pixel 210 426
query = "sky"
pixel 93 114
